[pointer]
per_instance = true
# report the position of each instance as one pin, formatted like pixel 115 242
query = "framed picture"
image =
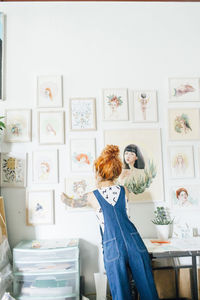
pixel 115 104
pixel 184 124
pixel 185 197
pixel 51 127
pixel 142 162
pixel 1 55
pixel 181 161
pixel 49 91
pixel 184 89
pixel 18 125
pixel 83 114
pixel 82 155
pixel 145 106
pixel 40 207
pixel 45 166
pixel 13 169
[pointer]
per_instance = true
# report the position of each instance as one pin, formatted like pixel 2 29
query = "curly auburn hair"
pixel 181 190
pixel 109 165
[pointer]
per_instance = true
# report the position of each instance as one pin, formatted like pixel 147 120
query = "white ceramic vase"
pixel 100 280
pixel 163 232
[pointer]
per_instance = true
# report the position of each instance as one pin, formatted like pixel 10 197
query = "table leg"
pixel 194 278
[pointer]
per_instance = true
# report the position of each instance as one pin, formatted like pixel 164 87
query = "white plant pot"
pixel 163 232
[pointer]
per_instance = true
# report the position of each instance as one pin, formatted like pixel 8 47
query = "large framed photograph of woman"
pixel 142 162
pixel 1 53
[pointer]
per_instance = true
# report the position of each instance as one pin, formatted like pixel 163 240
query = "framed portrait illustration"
pixel 83 114
pixel 115 104
pixel 18 125
pixel 185 197
pixel 145 106
pixel 181 161
pixel 45 166
pixel 49 91
pixel 13 169
pixel 184 124
pixel 184 89
pixel 1 55
pixel 83 154
pixel 51 127
pixel 140 151
pixel 40 207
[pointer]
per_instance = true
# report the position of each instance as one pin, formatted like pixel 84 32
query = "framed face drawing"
pixel 83 114
pixel 82 155
pixel 40 207
pixel 184 89
pixel 185 197
pixel 45 166
pixel 145 106
pixel 181 161
pixel 49 91
pixel 115 104
pixel 18 125
pixel 51 127
pixel 13 169
pixel 142 163
pixel 1 53
pixel 184 124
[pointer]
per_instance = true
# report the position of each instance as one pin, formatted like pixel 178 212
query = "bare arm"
pixel 127 193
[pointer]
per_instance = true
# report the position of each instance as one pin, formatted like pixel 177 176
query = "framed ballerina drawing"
pixel 145 106
pixel 184 89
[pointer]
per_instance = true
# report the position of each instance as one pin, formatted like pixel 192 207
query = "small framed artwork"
pixel 13 169
pixel 115 104
pixel 45 166
pixel 51 127
pixel 185 197
pixel 82 155
pixel 40 207
pixel 1 54
pixel 184 124
pixel 18 125
pixel 49 91
pixel 181 161
pixel 184 89
pixel 145 106
pixel 83 114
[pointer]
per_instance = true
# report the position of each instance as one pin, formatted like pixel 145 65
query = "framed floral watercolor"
pixel 45 166
pixel 13 169
pixel 145 106
pixel 184 89
pixel 185 197
pixel 18 125
pixel 83 114
pixel 1 55
pixel 115 104
pixel 51 127
pixel 184 124
pixel 181 161
pixel 49 91
pixel 82 155
pixel 40 207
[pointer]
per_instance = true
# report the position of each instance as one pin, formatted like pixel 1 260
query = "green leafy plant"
pixel 2 124
pixel 162 216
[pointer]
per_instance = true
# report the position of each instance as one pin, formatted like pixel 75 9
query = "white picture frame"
pixel 185 197
pixel 184 89
pixel 145 106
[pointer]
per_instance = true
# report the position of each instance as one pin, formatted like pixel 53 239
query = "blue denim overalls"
pixel 124 249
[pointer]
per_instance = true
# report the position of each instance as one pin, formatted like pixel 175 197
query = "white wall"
pixel 94 45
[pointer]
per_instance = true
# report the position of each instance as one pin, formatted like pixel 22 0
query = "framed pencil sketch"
pixel 82 155
pixel 184 124
pixel 40 207
pixel 45 166
pixel 51 127
pixel 115 104
pixel 13 169
pixel 83 114
pixel 184 89
pixel 1 55
pixel 145 106
pixel 49 91
pixel 185 197
pixel 181 161
pixel 18 125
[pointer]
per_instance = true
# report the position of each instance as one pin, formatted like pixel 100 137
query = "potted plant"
pixel 162 221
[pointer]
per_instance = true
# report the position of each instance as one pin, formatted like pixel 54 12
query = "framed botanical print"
pixel 51 127
pixel 1 55
pixel 181 161
pixel 184 124
pixel 18 125
pixel 49 91
pixel 83 114
pixel 115 104
pixel 185 197
pixel 145 106
pixel 82 154
pixel 184 89
pixel 45 166
pixel 40 207
pixel 13 169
